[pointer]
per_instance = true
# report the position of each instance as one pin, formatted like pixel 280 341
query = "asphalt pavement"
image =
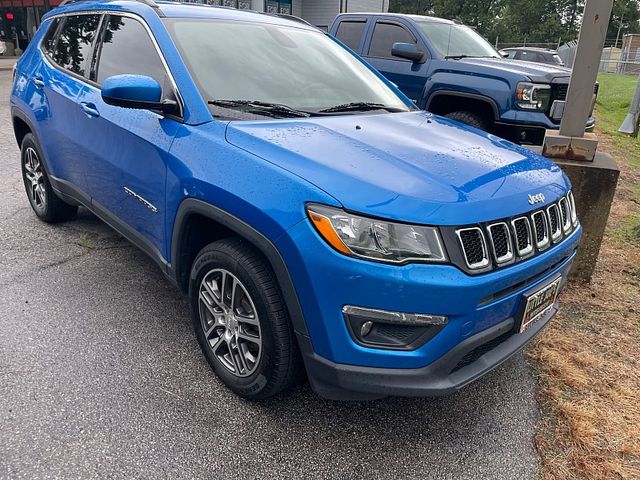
pixel 101 376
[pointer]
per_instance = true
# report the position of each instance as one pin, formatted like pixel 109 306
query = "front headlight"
pixel 376 239
pixel 533 96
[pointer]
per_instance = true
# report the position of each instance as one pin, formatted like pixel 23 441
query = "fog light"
pixel 391 330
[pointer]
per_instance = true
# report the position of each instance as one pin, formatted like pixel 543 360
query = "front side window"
pixel 126 48
pixel 384 36
pixel 350 33
pixel 75 42
pixel 290 67
pixel 452 40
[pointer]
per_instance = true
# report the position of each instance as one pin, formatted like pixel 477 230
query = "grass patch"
pixel 588 360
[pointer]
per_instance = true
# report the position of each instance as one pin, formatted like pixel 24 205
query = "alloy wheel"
pixel 34 178
pixel 230 322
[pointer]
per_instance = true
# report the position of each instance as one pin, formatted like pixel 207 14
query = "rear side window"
pixel 350 33
pixel 127 49
pixel 75 42
pixel 384 36
pixel 48 42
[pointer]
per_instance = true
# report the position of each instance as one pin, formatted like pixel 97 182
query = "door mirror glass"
pixel 409 51
pixel 134 91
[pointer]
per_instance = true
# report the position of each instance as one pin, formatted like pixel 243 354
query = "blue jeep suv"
pixel 316 218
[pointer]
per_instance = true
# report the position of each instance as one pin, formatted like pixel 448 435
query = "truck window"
pixel 384 36
pixel 350 33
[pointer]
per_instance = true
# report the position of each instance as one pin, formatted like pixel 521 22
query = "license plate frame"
pixel 538 303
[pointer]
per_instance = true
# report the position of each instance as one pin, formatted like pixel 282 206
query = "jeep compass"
pixel 317 220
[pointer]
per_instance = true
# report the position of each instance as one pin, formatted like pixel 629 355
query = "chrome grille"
pixel 506 241
pixel 522 232
pixel 474 247
pixel 564 214
pixel 540 229
pixel 500 241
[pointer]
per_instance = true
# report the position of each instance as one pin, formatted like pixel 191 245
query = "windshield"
pixel 460 41
pixel 277 71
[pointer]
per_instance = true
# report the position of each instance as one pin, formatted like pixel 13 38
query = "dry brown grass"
pixel 588 359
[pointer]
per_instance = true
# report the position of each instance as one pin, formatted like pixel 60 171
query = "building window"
pixel 278 6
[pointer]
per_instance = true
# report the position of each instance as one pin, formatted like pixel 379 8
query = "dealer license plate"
pixel 539 303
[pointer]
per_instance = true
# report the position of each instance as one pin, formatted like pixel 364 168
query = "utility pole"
pixel 619 29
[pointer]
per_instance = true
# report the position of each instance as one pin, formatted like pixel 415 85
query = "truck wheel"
pixel 472 119
pixel 241 320
pixel 44 202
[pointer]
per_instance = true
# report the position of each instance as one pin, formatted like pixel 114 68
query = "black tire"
pixel 470 118
pixel 45 203
pixel 278 365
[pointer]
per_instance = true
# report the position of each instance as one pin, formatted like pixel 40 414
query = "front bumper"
pixel 529 127
pixel 468 361
pixel 479 309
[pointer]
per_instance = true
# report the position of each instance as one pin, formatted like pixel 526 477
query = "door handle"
pixel 90 109
pixel 38 82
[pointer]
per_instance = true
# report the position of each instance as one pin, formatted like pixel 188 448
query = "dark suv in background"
pixel 532 54
pixel 450 70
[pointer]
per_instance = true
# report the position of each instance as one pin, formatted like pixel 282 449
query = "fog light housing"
pixel 384 329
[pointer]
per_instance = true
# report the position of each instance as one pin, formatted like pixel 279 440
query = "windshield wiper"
pixel 458 57
pixel 360 107
pixel 276 110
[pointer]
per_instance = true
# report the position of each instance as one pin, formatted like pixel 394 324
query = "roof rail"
pixel 150 3
pixel 293 18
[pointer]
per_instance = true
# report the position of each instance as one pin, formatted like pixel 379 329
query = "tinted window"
pixel 350 33
pixel 73 46
pixel 127 49
pixel 384 36
pixel 48 42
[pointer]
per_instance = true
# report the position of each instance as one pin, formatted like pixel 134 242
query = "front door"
pixel 410 77
pixel 127 174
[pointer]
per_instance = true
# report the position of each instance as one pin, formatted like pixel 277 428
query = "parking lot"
pixel 101 375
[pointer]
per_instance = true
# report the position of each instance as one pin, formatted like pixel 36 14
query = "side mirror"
pixel 136 91
pixel 504 54
pixel 410 51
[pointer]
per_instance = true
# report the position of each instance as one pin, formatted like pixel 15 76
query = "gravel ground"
pixel 101 376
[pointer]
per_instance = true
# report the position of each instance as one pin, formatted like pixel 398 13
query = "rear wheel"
pixel 44 202
pixel 470 118
pixel 241 320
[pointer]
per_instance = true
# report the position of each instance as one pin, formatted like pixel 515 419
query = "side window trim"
pixel 397 24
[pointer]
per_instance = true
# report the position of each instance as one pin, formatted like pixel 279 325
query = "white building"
pixel 317 12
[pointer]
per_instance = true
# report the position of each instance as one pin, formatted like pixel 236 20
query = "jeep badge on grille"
pixel 537 198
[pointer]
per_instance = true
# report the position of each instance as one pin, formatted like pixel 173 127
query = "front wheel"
pixel 241 320
pixel 470 118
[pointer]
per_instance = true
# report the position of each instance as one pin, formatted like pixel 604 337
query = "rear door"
pixel 62 76
pixel 409 76
pixel 128 168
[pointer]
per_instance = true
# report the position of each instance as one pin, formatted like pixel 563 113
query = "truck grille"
pixel 507 241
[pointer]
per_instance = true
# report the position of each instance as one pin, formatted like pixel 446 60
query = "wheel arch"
pixel 218 224
pixel 444 102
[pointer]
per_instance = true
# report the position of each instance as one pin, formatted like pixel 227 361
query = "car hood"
pixel 536 72
pixel 414 167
